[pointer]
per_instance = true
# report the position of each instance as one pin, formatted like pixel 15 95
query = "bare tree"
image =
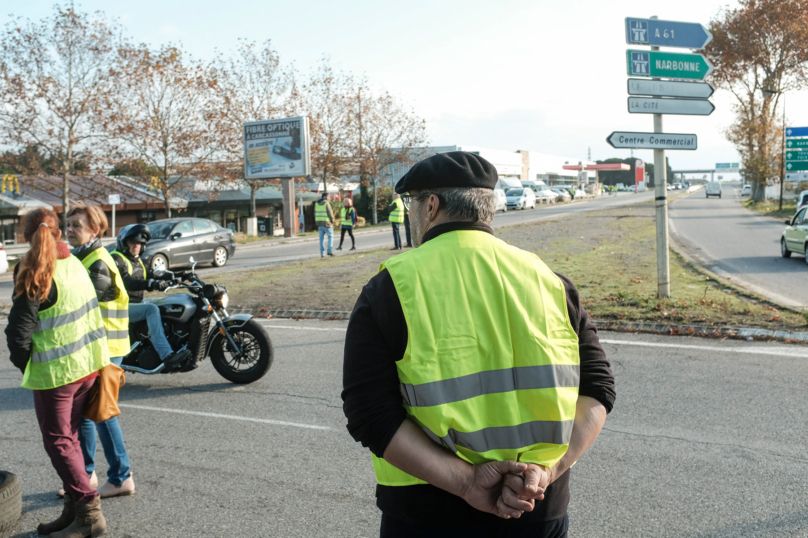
pixel 56 86
pixel 327 99
pixel 251 86
pixel 759 52
pixel 386 133
pixel 166 118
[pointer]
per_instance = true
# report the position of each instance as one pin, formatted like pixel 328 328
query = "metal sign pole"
pixel 113 220
pixel 661 202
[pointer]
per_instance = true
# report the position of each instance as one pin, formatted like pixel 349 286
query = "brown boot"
pixel 67 517
pixel 89 522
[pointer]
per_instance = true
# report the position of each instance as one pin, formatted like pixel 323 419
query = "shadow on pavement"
pixel 751 265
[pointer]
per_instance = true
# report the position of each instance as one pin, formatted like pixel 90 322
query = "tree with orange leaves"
pixel 759 53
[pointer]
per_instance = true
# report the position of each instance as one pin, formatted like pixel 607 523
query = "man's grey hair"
pixel 460 203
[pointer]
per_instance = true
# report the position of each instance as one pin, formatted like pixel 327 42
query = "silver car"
pixel 502 204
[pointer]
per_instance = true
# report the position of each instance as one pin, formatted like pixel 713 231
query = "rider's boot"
pixel 177 358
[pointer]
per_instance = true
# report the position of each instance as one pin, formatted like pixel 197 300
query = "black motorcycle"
pixel 239 348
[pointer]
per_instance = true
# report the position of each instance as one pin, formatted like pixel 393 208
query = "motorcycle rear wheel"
pixel 257 357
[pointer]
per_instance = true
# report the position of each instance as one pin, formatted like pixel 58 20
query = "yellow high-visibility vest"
pixel 345 216
pixel 129 263
pixel 491 369
pixel 115 313
pixel 70 341
pixel 321 212
pixel 397 215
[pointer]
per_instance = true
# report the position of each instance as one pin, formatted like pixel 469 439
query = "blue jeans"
pixel 150 312
pixel 325 230
pixel 111 437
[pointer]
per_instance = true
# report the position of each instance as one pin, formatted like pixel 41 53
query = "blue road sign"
pixel 796 131
pixel 686 35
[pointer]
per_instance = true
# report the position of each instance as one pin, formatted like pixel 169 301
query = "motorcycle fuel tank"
pixel 178 307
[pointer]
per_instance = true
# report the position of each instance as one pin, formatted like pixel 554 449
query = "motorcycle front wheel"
pixel 256 357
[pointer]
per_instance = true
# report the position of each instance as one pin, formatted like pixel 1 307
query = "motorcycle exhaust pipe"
pixel 127 368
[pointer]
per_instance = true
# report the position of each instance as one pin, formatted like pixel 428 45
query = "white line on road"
pixel 750 350
pixel 231 417
pixel 303 328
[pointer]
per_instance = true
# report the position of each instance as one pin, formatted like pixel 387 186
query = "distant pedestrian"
pixel 396 217
pixel 85 225
pixel 572 192
pixel 347 216
pixel 406 199
pixel 56 337
pixel 324 218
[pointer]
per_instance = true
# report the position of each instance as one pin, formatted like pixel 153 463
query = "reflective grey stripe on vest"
pixel 117 335
pixel 490 382
pixel 507 437
pixel 68 349
pixel 114 314
pixel 64 319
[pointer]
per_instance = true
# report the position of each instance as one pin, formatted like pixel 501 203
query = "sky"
pixel 542 75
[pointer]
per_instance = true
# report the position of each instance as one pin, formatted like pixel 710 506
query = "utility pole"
pixel 661 203
pixel 783 154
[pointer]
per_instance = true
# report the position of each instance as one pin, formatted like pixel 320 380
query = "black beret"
pixel 456 169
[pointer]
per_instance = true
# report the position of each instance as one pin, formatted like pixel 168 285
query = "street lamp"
pixel 783 152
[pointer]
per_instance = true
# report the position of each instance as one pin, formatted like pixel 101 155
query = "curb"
pixel 617 326
pixel 280 242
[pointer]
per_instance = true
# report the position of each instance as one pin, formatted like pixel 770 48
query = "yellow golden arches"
pixel 13 183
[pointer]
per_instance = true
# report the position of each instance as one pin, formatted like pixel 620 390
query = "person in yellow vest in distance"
pixel 56 337
pixel 406 199
pixel 396 209
pixel 324 218
pixel 347 217
pixel 463 357
pixel 86 225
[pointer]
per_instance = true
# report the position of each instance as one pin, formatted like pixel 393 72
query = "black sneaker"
pixel 353 247
pixel 177 358
pixel 339 248
pixel 330 253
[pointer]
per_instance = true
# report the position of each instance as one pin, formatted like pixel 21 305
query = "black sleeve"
pixel 390 207
pixel 22 320
pixel 129 282
pixel 597 380
pixel 102 280
pixel 375 340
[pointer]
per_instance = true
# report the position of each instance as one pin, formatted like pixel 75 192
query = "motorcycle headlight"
pixel 220 300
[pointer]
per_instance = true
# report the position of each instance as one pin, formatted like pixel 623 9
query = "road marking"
pixel 231 417
pixel 750 350
pixel 302 328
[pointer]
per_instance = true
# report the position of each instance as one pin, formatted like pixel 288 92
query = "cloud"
pixel 171 31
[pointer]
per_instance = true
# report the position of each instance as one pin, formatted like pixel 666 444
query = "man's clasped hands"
pixel 506 488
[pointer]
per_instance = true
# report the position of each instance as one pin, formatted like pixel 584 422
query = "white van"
pixel 536 186
pixel 802 200
pixel 713 189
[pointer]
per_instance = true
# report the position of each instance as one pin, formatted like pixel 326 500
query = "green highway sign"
pixel 796 155
pixel 792 167
pixel 800 143
pixel 644 63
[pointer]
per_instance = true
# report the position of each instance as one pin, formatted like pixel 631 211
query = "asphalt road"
pixel 740 245
pixel 707 440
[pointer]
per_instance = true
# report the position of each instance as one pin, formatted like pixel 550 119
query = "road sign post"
pixel 114 199
pixel 661 206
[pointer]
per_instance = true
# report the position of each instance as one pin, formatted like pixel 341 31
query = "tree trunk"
pixel 253 191
pixel 167 197
pixel 375 203
pixel 65 202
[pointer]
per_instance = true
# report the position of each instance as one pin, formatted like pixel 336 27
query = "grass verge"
pixel 771 208
pixel 609 255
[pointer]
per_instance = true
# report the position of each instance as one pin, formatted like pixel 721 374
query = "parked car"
pixel 678 186
pixel 746 190
pixel 564 195
pixel 174 241
pixel 520 198
pixel 3 259
pixel 502 200
pixel 713 189
pixel 547 193
pixel 795 236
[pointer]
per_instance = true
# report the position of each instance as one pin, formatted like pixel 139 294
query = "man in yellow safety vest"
pixel 396 209
pixel 324 219
pixel 471 370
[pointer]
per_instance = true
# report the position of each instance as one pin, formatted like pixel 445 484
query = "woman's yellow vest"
pixel 115 313
pixel 345 216
pixel 397 215
pixel 491 368
pixel 70 341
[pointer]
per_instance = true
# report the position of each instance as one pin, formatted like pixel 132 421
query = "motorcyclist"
pixel 130 244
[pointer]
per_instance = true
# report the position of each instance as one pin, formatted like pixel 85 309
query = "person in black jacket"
pixel 131 241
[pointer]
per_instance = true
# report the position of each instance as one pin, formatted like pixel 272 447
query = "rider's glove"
pixel 162 285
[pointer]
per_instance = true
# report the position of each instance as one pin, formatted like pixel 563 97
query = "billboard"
pixel 277 148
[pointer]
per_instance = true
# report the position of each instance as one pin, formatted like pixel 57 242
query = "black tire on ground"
pixel 784 252
pixel 252 334
pixel 10 500
pixel 220 257
pixel 159 260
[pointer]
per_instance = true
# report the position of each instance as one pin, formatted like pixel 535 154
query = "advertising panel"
pixel 277 148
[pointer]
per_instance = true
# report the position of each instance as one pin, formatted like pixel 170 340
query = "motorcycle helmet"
pixel 133 232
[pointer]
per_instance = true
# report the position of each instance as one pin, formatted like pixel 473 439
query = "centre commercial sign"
pixel 633 140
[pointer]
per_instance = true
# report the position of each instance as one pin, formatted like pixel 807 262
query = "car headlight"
pixel 220 300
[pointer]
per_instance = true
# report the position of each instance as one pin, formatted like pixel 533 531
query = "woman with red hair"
pixel 57 339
